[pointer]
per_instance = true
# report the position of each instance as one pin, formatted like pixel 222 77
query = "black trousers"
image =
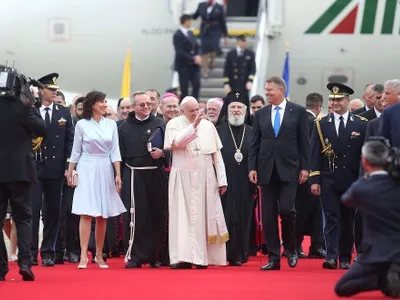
pixel 358 231
pixel 338 231
pixel 17 194
pixel 309 212
pixel 362 278
pixel 190 73
pixel 46 196
pixel 113 237
pixel 68 236
pixel 284 193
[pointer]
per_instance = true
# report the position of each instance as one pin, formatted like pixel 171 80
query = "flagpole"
pixel 286 70
pixel 126 76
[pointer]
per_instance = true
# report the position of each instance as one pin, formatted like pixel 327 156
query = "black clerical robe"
pixel 150 189
pixel 237 202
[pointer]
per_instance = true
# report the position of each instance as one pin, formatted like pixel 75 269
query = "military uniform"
pixel 335 163
pixel 240 68
pixel 51 162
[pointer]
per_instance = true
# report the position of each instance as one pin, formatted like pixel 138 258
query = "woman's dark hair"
pixel 91 99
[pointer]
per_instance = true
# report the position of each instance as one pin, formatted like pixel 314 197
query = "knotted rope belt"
pixel 132 209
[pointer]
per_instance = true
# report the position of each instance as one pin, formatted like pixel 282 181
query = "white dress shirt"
pixel 311 113
pixel 282 108
pixel 378 114
pixel 43 111
pixel 337 120
pixel 383 172
pixel 239 51
pixel 184 30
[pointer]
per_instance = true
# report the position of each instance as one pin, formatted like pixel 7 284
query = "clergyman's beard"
pixel 236 120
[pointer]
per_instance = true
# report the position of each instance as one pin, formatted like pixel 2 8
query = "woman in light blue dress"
pixel 97 158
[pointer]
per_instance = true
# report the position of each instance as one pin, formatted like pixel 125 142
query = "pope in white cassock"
pixel 197 228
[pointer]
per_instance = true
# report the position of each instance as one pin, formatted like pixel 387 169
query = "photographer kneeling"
pixel 377 196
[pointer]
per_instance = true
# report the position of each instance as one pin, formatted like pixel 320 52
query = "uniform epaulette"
pixel 314 173
pixel 361 117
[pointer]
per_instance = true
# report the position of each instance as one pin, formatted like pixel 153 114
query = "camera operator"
pixel 377 198
pixel 18 122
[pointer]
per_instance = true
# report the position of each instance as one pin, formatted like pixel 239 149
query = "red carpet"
pixel 306 281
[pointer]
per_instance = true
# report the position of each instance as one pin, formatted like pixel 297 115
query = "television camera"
pixel 394 156
pixel 18 87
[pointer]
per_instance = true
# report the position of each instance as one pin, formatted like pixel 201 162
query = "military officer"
pixel 335 161
pixel 240 67
pixel 51 165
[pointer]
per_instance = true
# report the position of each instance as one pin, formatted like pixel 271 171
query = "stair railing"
pixel 261 49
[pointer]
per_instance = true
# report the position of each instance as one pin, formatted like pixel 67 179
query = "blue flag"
pixel 286 74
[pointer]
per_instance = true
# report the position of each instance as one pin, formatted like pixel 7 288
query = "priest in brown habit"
pixel 237 202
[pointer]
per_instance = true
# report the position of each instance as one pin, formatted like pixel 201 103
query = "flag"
pixel 126 77
pixel 286 73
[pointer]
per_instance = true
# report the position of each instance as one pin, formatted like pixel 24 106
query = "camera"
pixel 16 86
pixel 393 167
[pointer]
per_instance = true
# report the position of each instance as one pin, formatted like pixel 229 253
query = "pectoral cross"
pixel 197 149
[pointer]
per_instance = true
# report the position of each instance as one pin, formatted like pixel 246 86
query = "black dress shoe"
pixel 345 265
pixel 155 265
pixel 301 254
pixel 3 275
pixel 201 267
pixel 391 285
pixel 292 259
pixel 73 258
pixel 47 262
pixel 58 260
pixel 272 265
pixel 181 266
pixel 357 257
pixel 133 265
pixel 26 273
pixel 317 254
pixel 235 263
pixel 330 264
pixel 35 261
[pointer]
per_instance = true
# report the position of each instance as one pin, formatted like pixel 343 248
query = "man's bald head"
pixel 125 107
pixel 356 104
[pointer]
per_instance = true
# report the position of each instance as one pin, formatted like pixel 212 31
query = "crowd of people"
pixel 172 182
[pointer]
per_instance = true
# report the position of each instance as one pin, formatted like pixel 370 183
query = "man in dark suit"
pixel 240 67
pixel 68 246
pixel 367 96
pixel 52 165
pixel 278 161
pixel 212 27
pixel 390 123
pixel 187 59
pixel 335 163
pixel 377 94
pixel 377 198
pixel 17 125
pixel 308 206
pixel 379 103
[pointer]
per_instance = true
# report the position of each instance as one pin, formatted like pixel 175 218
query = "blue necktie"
pixel 277 121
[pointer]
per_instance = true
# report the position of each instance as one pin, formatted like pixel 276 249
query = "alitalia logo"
pixel 347 25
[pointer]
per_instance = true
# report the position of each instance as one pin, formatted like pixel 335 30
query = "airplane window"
pixel 59 28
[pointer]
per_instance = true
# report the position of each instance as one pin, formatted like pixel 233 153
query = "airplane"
pixel 350 41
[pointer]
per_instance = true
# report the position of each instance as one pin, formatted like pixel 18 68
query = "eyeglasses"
pixel 142 105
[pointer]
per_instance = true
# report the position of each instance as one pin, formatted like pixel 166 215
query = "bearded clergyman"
pixel 237 202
